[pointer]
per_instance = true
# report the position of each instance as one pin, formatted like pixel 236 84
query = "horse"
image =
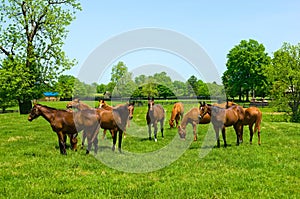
pixel 222 118
pixel 252 116
pixel 192 117
pixel 115 120
pixel 177 113
pixel 225 104
pixel 76 103
pixel 63 123
pixel 155 114
pixel 102 104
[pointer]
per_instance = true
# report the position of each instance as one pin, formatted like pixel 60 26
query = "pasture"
pixel 32 167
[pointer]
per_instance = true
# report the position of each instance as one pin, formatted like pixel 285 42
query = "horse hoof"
pixel 149 138
pixel 155 140
pixel 87 152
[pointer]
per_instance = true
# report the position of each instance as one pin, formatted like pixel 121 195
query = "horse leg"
pixel 258 134
pixel 114 135
pixel 73 141
pixel 62 143
pixel 217 136
pixel 224 137
pixel 241 134
pixel 162 128
pixel 95 139
pixel 104 134
pixel 149 130
pixel 251 132
pixel 155 131
pixel 120 140
pixel 195 131
pixel 238 131
pixel 83 139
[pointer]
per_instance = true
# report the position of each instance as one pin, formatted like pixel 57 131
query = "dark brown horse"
pixel 177 113
pixel 79 105
pixel 252 116
pixel 64 122
pixel 192 117
pixel 116 120
pixel 155 114
pixel 221 118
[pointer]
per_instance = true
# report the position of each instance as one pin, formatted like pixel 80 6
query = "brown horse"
pixel 76 103
pixel 225 104
pixel 155 114
pixel 105 106
pixel 79 105
pixel 177 113
pixel 192 117
pixel 221 118
pixel 64 122
pixel 252 116
pixel 116 120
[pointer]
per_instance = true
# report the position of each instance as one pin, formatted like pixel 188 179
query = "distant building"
pixel 51 96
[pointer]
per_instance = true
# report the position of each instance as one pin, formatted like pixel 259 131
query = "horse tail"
pixel 258 121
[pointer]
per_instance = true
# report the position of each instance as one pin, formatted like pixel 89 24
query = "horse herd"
pixel 80 117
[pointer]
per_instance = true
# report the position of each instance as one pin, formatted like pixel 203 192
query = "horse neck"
pixel 184 120
pixel 83 106
pixel 48 113
pixel 173 115
pixel 123 112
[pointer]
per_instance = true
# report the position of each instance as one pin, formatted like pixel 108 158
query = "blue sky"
pixel 216 26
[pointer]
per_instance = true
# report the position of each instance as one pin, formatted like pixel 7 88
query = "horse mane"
pixel 51 108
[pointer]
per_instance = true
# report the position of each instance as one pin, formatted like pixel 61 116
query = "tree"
pixel 122 79
pixel 31 40
pixel 245 69
pixel 192 86
pixel 65 86
pixel 284 73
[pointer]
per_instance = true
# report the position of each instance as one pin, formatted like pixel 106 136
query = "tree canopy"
pixel 31 40
pixel 245 69
pixel 284 73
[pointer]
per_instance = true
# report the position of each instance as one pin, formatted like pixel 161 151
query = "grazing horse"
pixel 64 122
pixel 115 120
pixel 177 113
pixel 221 118
pixel 155 114
pixel 252 116
pixel 192 117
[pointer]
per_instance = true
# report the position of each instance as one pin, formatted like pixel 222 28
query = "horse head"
pixel 74 104
pixel 150 104
pixel 204 109
pixel 130 110
pixel 181 132
pixel 34 113
pixel 171 123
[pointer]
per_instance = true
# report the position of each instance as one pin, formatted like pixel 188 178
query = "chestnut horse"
pixel 116 121
pixel 177 113
pixel 192 117
pixel 104 105
pixel 155 114
pixel 64 122
pixel 77 104
pixel 252 116
pixel 221 118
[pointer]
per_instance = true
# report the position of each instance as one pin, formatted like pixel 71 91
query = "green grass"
pixel 31 166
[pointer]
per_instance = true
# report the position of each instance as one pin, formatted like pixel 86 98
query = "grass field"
pixel 31 166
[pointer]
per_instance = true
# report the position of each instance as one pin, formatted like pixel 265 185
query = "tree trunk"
pixel 25 106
